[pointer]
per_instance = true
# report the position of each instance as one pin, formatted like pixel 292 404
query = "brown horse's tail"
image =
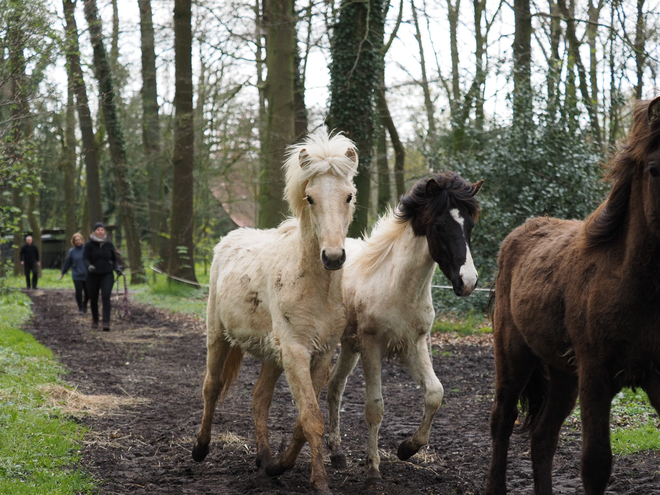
pixel 533 398
pixel 230 370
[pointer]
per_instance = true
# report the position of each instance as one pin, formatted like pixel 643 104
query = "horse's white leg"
pixel 305 384
pixel 373 407
pixel 217 351
pixel 418 363
pixel 345 363
pixel 262 395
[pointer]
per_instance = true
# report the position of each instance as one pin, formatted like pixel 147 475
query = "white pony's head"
pixel 319 181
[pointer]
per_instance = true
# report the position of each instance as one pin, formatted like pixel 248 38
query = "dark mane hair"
pixel 605 224
pixel 421 208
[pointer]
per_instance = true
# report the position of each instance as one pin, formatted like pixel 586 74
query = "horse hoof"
pixel 373 479
pixel 275 469
pixel 323 489
pixel 407 449
pixel 199 452
pixel 338 460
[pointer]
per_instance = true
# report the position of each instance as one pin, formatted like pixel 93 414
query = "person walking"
pixel 30 260
pixel 100 259
pixel 74 260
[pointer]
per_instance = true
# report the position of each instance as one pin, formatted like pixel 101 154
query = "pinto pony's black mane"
pixel 421 208
pixel 606 223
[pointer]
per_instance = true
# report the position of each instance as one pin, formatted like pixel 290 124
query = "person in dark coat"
pixel 100 259
pixel 74 260
pixel 30 261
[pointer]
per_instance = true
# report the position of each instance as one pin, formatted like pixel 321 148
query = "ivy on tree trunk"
pixel 357 40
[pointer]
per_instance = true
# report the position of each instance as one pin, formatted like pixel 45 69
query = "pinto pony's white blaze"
pixel 468 272
pixel 387 292
pixel 276 295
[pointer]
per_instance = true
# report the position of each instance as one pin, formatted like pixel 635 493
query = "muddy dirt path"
pixel 139 394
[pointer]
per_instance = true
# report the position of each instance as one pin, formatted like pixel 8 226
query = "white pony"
pixel 276 294
pixel 387 292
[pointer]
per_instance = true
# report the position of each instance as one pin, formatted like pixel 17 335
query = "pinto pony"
pixel 578 315
pixel 387 291
pixel 276 294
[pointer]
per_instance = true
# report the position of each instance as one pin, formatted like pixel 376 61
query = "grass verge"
pixel 38 446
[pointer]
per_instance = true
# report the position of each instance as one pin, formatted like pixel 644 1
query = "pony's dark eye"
pixel 309 200
pixel 350 198
pixel 653 170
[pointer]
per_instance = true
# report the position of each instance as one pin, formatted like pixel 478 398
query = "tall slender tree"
pixel 281 110
pixel 150 124
pixel 89 146
pixel 116 142
pixel 182 253
pixel 69 164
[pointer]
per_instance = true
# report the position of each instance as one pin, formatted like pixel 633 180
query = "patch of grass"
pixel 173 296
pixel 634 423
pixel 38 447
pixel 470 324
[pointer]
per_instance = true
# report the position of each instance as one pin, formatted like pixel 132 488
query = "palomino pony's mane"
pixel 323 154
pixel 606 223
pixel 416 210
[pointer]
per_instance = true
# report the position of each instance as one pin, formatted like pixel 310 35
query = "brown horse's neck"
pixel 639 241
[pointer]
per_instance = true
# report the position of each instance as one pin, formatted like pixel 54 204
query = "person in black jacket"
pixel 100 258
pixel 30 261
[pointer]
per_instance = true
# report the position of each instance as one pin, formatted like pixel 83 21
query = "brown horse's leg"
pixel 595 400
pixel 514 363
pixel 419 365
pixel 560 401
pixel 217 352
pixel 262 395
pixel 343 368
pixel 306 383
pixel 652 388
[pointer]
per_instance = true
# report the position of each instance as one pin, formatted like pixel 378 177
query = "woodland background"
pixel 168 119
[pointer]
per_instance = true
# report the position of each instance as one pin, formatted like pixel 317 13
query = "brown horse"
pixel 578 314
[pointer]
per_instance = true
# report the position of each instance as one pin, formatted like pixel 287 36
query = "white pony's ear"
pixel 303 158
pixel 476 186
pixel 350 153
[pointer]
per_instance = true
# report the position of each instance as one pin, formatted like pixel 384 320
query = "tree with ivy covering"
pixel 356 50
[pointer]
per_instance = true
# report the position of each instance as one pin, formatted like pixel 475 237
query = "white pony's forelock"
pixel 326 154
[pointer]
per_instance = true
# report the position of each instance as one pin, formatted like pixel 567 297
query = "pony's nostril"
pixel 343 255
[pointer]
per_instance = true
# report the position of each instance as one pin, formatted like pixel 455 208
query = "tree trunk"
pixel 428 102
pixel 354 78
pixel 182 249
pixel 116 142
pixel 150 123
pixel 280 116
pixel 399 150
pixel 69 164
pixel 592 41
pixel 640 42
pixel 89 146
pixel 522 56
pixel 19 135
pixel 574 48
pixel 554 62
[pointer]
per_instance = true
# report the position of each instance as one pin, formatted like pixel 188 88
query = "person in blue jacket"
pixel 74 260
pixel 100 259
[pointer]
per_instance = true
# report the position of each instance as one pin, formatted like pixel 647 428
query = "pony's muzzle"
pixel 333 259
pixel 464 289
